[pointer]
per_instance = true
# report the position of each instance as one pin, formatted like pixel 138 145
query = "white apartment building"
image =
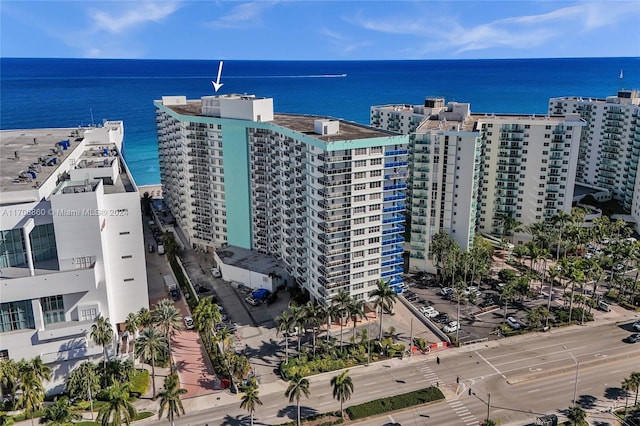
pixel 610 144
pixel 325 196
pixel 71 242
pixel 470 170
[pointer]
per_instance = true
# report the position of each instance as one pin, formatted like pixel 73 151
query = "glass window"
pixel 52 309
pixel 12 248
pixel 16 316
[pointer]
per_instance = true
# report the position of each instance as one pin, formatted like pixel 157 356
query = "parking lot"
pixel 477 321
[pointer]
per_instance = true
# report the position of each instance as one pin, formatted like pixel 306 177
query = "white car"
pixel 216 273
pixel 429 311
pixel 446 290
pixel 188 323
pixel 451 327
pixel 513 323
pixel 636 325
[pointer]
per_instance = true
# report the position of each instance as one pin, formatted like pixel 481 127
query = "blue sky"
pixel 308 30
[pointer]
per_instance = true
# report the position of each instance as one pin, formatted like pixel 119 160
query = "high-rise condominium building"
pixel 325 196
pixel 470 171
pixel 610 144
pixel 71 242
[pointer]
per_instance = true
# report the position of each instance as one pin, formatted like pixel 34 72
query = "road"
pixel 525 376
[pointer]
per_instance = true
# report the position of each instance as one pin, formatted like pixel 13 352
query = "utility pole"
pixel 488 406
pixel 411 339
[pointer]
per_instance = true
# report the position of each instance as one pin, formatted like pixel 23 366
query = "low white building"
pixel 71 242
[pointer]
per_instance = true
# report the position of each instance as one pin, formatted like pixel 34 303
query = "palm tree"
pixel 132 326
pixel 35 367
pixel 313 315
pixel 206 315
pixel 628 386
pixel 117 409
pixel 341 302
pixel 576 415
pixel 8 375
pixel 298 386
pixel 635 377
pixel 145 318
pixel 356 311
pixel 83 382
pixel 102 334
pixel 171 246
pixel 170 398
pixel 145 201
pixel 168 318
pixel 151 343
pixel 284 323
pixel 297 322
pixel 384 298
pixel 60 413
pixel 250 400
pixel 342 388
pixel 31 392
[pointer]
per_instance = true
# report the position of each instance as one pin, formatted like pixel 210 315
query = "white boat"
pixel 621 74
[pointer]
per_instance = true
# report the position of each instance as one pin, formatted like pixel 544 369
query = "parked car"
pixel 175 294
pixel 429 311
pixel 513 323
pixel 250 300
pixel 446 290
pixel 633 338
pixel 636 325
pixel 451 327
pixel 201 289
pixel 188 323
pixel 216 272
pixel 443 318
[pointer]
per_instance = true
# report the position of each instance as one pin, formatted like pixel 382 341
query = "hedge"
pixel 392 403
pixel 139 382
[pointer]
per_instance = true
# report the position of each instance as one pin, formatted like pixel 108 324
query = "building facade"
pixel 325 196
pixel 470 171
pixel 71 241
pixel 609 144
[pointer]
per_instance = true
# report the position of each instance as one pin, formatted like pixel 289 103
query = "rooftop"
pixel 250 260
pixel 300 123
pixel 22 148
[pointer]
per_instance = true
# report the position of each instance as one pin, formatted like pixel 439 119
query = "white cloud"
pixel 439 32
pixel 139 14
pixel 243 15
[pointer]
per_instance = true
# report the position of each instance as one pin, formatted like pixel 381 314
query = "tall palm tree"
pixel 298 386
pixel 628 386
pixel 313 316
pixel 151 343
pixel 102 334
pixel 60 413
pixel 171 246
pixel 35 367
pixel 83 382
pixel 170 398
pixel 132 326
pixel 31 392
pixel 635 377
pixel 250 400
pixel 168 318
pixel 297 322
pixel 341 302
pixel 384 298
pixel 356 311
pixel 342 388
pixel 117 409
pixel 284 323
pixel 206 315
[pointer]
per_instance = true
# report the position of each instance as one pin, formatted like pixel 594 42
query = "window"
pixel 52 309
pixel 359 175
pixel 360 163
pixel 374 250
pixel 376 161
pixel 374 207
pixel 88 314
pixel 374 240
pixel 376 173
pixel 361 151
pixel 358 221
pixel 359 198
pixel 358 232
pixel 16 316
pixel 374 185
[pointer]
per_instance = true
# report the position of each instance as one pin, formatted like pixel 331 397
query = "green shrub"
pixel 143 415
pixel 393 403
pixel 139 382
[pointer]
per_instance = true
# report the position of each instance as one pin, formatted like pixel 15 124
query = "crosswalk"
pixel 456 405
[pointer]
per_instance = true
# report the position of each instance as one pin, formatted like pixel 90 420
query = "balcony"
pixel 396 186
pixel 395 208
pixel 396 164
pixel 393 240
pixel 396 152
pixel 393 219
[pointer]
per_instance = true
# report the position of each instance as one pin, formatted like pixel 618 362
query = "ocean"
pixel 38 93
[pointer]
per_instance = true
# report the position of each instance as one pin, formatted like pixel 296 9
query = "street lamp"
pixel 575 386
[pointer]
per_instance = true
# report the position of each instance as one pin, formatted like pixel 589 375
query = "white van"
pixel 604 306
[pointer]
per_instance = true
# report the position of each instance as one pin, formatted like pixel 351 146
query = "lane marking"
pixel 510 354
pixel 490 365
